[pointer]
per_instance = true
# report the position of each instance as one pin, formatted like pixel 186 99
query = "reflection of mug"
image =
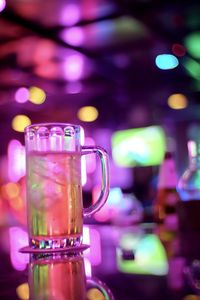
pixel 54 192
pixel 53 277
pixel 56 278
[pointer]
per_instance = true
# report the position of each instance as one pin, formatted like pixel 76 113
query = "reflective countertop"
pixel 144 261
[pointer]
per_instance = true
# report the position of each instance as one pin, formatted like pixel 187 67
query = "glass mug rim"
pixel 46 240
pixel 50 124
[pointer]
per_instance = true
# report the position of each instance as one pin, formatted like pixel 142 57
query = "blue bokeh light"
pixel 166 61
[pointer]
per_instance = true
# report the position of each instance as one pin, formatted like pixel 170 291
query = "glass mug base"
pixel 55 243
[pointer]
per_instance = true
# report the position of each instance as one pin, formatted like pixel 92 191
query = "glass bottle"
pixel 189 183
pixel 189 215
pixel 167 197
pixel 189 190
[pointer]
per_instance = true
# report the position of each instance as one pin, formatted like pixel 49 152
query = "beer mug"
pixel 54 191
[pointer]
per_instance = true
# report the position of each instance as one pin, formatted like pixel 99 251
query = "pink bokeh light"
pixel 74 87
pixel 70 14
pixel 113 205
pixel 73 67
pixel 16 160
pixel 22 95
pixel 83 159
pixel 90 159
pixel 48 69
pixel 18 239
pixel 92 237
pixel 88 267
pixel 73 36
pixel 2 5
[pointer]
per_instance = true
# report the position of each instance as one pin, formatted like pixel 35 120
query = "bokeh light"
pixel 19 122
pixel 92 237
pixel 95 294
pixel 166 61
pixel 2 5
pixel 191 297
pixel 142 146
pixel 73 36
pixel 18 238
pixel 192 67
pixel 178 50
pixel 16 203
pixel 88 113
pixel 48 70
pixel 74 87
pixel 112 206
pixel 70 14
pixel 90 159
pixel 44 51
pixel 83 159
pixel 149 257
pixel 73 67
pixel 22 95
pixel 10 190
pixel 177 101
pixel 36 95
pixel 23 291
pixel 88 267
pixel 16 160
pixel 192 44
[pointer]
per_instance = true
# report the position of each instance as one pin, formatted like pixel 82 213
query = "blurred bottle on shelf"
pixel 189 207
pixel 175 262
pixel 189 190
pixel 164 208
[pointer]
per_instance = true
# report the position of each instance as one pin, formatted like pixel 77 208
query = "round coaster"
pixel 80 248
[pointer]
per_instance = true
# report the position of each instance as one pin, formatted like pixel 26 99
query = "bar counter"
pixel 143 261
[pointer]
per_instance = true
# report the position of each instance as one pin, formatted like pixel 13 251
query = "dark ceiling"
pixel 117 42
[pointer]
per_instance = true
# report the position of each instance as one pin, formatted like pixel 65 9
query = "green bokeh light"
pixel 139 146
pixel 192 67
pixel 192 44
pixel 150 258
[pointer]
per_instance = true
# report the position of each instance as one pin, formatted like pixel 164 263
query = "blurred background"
pixel 127 71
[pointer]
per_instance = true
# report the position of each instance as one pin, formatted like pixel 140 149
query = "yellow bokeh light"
pixel 95 294
pixel 177 101
pixel 19 122
pixel 23 291
pixel 17 203
pixel 191 297
pixel 36 95
pixel 10 190
pixel 88 113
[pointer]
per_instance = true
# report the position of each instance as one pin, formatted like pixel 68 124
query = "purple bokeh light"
pixel 22 95
pixel 73 36
pixel 70 14
pixel 73 67
pixel 74 87
pixel 92 237
pixel 90 159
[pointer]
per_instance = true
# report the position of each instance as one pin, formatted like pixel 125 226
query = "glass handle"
pixel 105 179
